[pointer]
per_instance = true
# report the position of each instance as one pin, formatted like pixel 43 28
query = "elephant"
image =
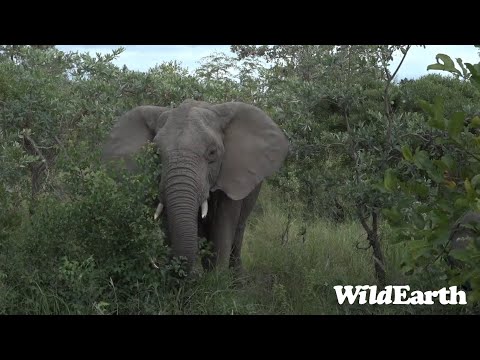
pixel 214 159
pixel 461 235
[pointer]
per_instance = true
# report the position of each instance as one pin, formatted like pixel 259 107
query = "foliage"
pixel 78 238
pixel 435 184
pixel 100 229
pixel 458 95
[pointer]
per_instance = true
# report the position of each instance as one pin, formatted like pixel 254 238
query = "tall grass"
pixel 291 273
pixel 296 274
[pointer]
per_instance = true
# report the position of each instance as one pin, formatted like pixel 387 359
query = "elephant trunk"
pixel 182 205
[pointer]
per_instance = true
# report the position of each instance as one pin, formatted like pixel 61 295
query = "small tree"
pixel 435 184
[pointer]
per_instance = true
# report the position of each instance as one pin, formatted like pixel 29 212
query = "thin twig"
pixel 115 294
pixel 467 151
pixel 287 228
pixel 362 248
pixel 58 141
pixel 401 61
pixel 386 96
pixel 62 146
pixel 417 135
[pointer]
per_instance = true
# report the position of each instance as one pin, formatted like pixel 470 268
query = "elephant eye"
pixel 211 154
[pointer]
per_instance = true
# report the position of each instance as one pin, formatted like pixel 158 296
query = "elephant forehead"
pixel 186 116
pixel 195 126
pixel 201 117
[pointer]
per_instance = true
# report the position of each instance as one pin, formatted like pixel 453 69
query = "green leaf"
pixel 448 64
pixel 464 71
pixel 416 188
pixel 475 74
pixel 440 164
pixel 407 153
pixel 392 215
pixel 436 175
pixel 473 70
pixel 438 107
pixel 469 188
pixel 461 254
pixel 448 161
pixel 450 184
pixel 422 160
pixel 440 236
pixel 418 221
pixel 476 181
pixel 436 67
pixel 418 248
pixel 461 203
pixel 455 124
pixel 436 113
pixel 426 106
pixel 475 122
pixel 390 180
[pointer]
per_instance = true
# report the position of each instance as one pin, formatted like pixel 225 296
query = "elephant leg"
pixel 247 206
pixel 222 228
pixel 235 255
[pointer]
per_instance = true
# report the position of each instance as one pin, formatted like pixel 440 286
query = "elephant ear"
pixel 132 131
pixel 255 147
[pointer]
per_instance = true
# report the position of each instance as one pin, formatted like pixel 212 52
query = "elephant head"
pixel 203 147
pixel 462 234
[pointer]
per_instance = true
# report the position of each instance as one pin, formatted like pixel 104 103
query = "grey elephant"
pixel 214 159
pixel 461 235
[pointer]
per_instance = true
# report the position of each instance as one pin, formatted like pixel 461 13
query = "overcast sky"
pixel 143 57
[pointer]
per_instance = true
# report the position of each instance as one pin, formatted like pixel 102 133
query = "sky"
pixel 143 57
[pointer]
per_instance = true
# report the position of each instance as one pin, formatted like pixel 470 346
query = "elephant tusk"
pixel 154 263
pixel 204 209
pixel 158 211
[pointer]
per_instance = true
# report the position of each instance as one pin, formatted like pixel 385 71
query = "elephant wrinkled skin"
pixel 214 160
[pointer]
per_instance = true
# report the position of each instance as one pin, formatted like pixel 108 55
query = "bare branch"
pixel 374 222
pixel 401 62
pixel 36 148
pixel 39 153
pixel 386 96
pixel 379 263
pixel 362 220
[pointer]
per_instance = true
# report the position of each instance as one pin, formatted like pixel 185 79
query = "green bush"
pixel 433 186
pixel 458 95
pixel 95 244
